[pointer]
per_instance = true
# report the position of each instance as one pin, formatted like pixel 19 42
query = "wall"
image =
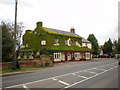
pixel 23 63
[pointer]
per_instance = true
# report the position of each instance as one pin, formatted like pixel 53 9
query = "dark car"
pixel 104 56
pixel 111 55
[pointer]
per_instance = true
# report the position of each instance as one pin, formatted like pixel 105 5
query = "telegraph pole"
pixel 15 27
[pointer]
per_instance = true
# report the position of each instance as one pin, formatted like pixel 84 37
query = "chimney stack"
pixel 72 30
pixel 39 24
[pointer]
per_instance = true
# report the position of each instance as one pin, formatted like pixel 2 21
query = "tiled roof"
pixel 67 33
pixel 85 40
pixel 62 32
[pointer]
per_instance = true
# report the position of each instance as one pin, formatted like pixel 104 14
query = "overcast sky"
pixel 98 17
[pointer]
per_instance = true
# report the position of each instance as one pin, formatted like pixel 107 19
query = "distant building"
pixel 101 50
pixel 62 45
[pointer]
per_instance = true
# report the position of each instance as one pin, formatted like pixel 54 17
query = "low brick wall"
pixel 23 63
pixel 6 65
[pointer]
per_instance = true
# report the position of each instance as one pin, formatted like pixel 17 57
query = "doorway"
pixel 66 58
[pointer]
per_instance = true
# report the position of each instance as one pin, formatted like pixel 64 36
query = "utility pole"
pixel 15 27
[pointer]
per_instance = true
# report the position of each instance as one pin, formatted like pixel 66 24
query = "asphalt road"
pixel 99 73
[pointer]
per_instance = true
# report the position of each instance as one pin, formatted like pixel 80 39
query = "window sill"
pixel 56 44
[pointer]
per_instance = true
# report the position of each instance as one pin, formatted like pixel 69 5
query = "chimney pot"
pixel 72 30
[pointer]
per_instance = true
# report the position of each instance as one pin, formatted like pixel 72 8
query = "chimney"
pixel 72 30
pixel 39 24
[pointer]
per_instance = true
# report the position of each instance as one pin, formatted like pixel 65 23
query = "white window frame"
pixel 76 55
pixel 56 41
pixel 57 55
pixel 68 42
pixel 87 55
pixel 43 42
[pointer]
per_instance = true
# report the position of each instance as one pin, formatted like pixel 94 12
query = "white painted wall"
pixel 87 45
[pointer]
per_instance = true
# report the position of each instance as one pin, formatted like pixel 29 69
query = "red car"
pixel 104 56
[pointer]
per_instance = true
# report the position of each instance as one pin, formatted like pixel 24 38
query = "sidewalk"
pixel 55 65
pixel 15 73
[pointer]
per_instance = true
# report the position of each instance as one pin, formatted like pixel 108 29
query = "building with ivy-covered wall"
pixel 62 45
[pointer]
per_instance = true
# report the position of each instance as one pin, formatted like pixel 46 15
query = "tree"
pixel 8 38
pixel 117 46
pixel 94 43
pixel 107 47
pixel 7 41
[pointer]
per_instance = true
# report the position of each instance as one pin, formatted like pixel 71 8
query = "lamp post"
pixel 15 27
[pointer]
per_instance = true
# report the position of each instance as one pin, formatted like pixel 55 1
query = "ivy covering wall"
pixel 33 40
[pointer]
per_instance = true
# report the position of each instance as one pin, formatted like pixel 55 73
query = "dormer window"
pixel 77 44
pixel 69 42
pixel 56 41
pixel 43 42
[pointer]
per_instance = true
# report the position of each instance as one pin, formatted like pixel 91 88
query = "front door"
pixel 66 57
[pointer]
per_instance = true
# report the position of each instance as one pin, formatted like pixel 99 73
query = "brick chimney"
pixel 72 30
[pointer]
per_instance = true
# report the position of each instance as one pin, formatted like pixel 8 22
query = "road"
pixel 98 73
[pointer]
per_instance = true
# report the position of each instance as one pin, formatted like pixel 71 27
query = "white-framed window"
pixel 87 55
pixel 68 42
pixel 56 41
pixel 43 42
pixel 57 55
pixel 77 44
pixel 76 55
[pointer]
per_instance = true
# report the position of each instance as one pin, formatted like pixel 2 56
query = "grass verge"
pixel 21 69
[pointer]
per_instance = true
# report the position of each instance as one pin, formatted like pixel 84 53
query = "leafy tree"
pixel 7 41
pixel 94 43
pixel 117 46
pixel 8 38
pixel 107 47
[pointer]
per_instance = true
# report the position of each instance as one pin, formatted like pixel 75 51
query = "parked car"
pixel 111 55
pixel 104 56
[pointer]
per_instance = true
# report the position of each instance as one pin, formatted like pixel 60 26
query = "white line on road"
pixel 100 69
pixel 54 79
pixel 89 78
pixel 26 88
pixel 91 72
pixel 79 75
pixel 82 76
pixel 61 81
pixel 58 76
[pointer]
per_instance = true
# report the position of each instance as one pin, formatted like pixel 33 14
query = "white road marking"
pixel 26 88
pixel 54 79
pixel 91 72
pixel 89 78
pixel 60 76
pixel 63 82
pixel 82 76
pixel 100 69
pixel 79 75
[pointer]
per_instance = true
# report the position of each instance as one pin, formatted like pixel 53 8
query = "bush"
pixel 44 51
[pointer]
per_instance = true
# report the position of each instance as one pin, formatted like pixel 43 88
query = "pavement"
pixel 68 75
pixel 15 73
pixel 24 72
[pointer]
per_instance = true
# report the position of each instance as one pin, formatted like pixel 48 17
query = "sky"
pixel 98 17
